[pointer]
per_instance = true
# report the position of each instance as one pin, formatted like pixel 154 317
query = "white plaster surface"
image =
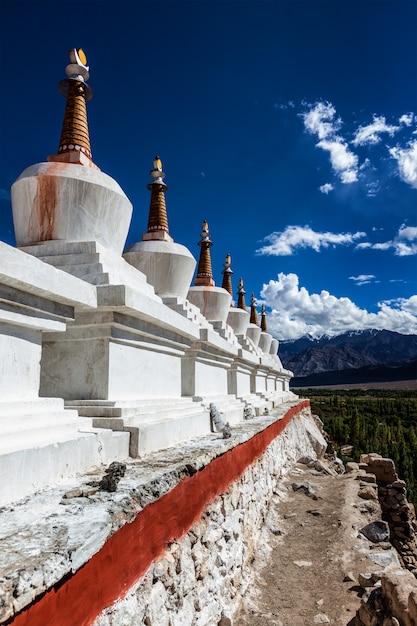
pixel 154 424
pixel 20 350
pixel 213 302
pixel 151 373
pixel 253 332
pixel 24 272
pixel 238 319
pixel 71 202
pixel 91 262
pixel 118 355
pixel 274 346
pixel 239 379
pixel 168 266
pixel 265 342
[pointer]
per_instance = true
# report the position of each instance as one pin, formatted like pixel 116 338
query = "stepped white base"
pixel 278 397
pixel 153 424
pixel 258 402
pixel 91 262
pixel 229 406
pixel 42 444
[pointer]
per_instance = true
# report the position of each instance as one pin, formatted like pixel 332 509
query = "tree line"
pixel 381 421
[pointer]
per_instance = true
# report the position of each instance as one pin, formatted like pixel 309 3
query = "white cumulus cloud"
pixel 403 244
pixel 407 162
pixel 371 133
pixel 363 279
pixel 344 162
pixel 321 120
pixel 295 312
pixel 286 242
pixel 406 119
pixel 326 188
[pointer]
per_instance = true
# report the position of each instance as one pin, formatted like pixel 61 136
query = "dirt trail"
pixel 311 547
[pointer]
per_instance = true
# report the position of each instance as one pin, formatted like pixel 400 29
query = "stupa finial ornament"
pixel 227 276
pixel 253 311
pixel 158 218
pixel 241 304
pixel 263 319
pixel 204 271
pixel 74 144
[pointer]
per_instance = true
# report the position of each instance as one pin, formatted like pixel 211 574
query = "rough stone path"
pixel 307 570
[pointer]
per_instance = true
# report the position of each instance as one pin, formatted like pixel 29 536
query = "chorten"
pixel 168 266
pixel 158 218
pixel 264 328
pixel 253 311
pixel 74 145
pixel 253 331
pixel 238 317
pixel 265 338
pixel 204 271
pixel 241 295
pixel 227 276
pixel 213 302
pixel 67 197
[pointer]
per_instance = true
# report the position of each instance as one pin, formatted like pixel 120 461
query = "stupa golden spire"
pixel 74 145
pixel 227 276
pixel 241 304
pixel 263 319
pixel 253 311
pixel 158 219
pixel 204 272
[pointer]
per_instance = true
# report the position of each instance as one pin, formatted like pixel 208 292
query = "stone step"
pixel 126 408
pixel 132 402
pixel 143 412
pixel 62 419
pixel 92 274
pixel 35 463
pixel 33 406
pixel 36 437
pixel 57 260
pixel 259 404
pixel 158 435
pixel 59 248
pixel 81 269
pixel 229 406
pixel 188 310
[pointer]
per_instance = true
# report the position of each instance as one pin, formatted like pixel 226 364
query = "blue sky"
pixel 290 126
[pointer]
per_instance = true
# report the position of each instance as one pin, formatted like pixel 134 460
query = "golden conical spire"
pixel 263 319
pixel 227 276
pixel 74 145
pixel 158 219
pixel 253 312
pixel 241 304
pixel 204 271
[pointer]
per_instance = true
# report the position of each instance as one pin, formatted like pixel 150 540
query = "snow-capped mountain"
pixel 350 350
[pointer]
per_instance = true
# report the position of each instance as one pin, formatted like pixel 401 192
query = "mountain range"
pixel 353 356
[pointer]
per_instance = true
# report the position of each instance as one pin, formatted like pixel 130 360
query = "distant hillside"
pixel 359 356
pixel 374 374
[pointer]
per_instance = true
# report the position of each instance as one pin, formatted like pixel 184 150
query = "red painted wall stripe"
pixel 126 556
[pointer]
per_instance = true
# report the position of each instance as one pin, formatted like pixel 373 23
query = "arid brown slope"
pixel 309 568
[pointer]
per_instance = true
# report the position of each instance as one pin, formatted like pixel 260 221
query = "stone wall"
pixel 396 510
pixel 391 599
pixel 173 544
pixel 202 576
